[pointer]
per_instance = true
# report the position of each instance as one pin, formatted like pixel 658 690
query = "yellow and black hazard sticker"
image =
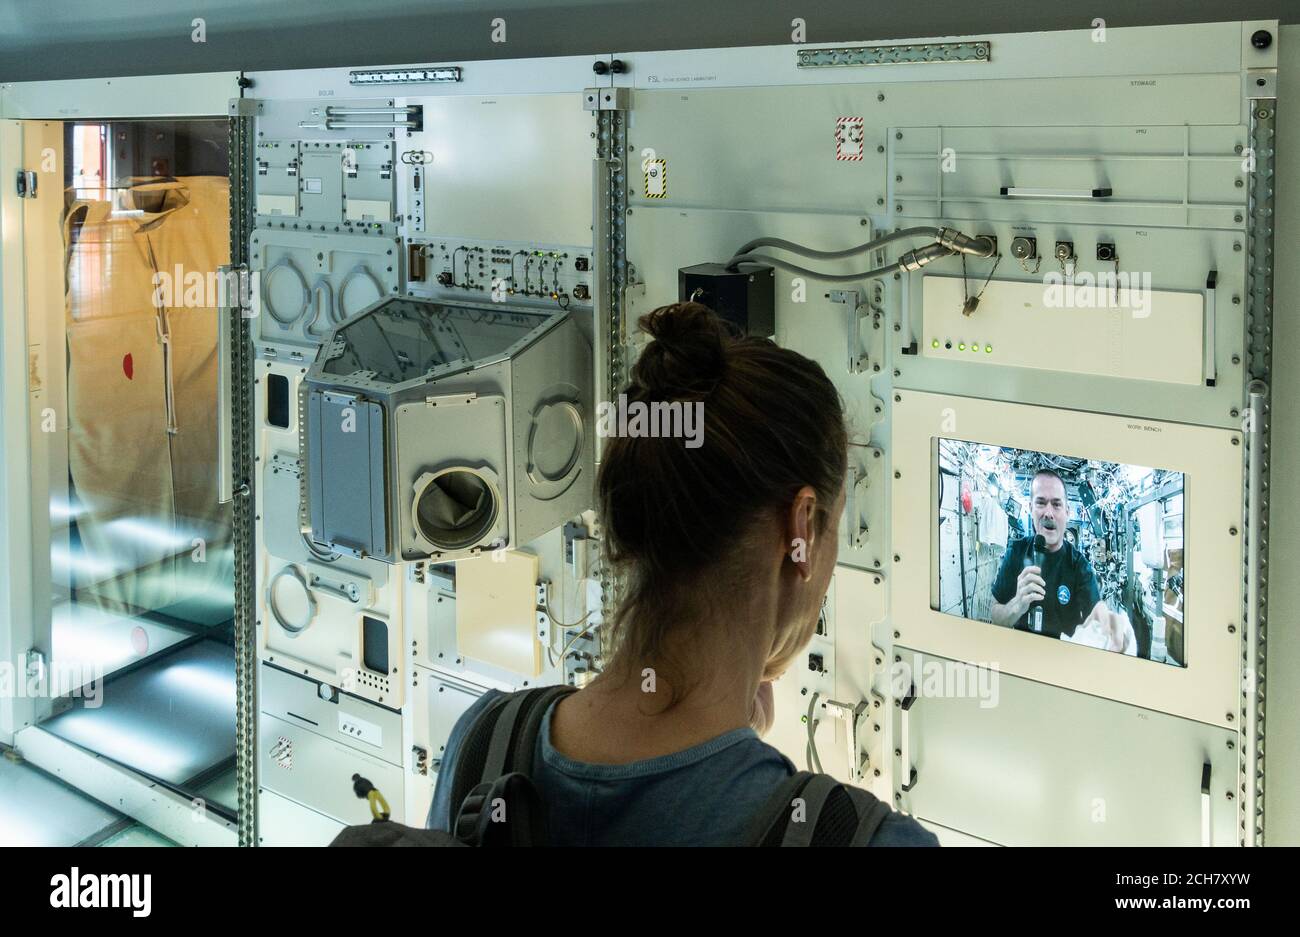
pixel 656 178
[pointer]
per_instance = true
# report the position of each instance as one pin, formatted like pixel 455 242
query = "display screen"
pixel 1078 550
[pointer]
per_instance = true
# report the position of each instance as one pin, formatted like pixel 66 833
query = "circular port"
pixel 456 508
pixel 290 601
pixel 1022 248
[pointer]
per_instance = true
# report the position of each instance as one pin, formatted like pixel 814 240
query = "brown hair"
pixel 678 520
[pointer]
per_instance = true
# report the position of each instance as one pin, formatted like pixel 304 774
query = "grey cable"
pixel 817 275
pixel 806 251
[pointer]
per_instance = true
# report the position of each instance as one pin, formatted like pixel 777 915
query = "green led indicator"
pixel 988 349
pixel 961 347
pixel 935 343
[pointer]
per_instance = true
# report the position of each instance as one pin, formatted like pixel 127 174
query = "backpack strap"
pixel 496 763
pixel 871 813
pixel 530 727
pixel 833 814
pixel 770 823
pixel 499 749
pixel 814 796
pixel 523 822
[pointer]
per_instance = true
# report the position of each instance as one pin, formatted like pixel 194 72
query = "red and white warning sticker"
pixel 849 133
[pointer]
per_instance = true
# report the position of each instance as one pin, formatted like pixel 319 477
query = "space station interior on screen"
pixel 1081 550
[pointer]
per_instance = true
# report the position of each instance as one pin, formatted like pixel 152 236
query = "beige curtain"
pixel 142 393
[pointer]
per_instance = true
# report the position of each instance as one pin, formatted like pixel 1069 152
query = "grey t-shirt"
pixel 706 795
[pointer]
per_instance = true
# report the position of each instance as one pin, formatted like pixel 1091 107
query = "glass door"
pixel 133 561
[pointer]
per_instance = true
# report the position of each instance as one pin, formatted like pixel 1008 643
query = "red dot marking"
pixel 128 366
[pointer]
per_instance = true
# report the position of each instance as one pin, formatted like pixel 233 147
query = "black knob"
pixel 617 67
pixel 600 68
pixel 1261 39
pixel 244 81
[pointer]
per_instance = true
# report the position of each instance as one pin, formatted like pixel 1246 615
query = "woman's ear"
pixel 801 530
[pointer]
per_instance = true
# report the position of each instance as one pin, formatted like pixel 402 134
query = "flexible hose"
pixel 816 275
pixel 806 251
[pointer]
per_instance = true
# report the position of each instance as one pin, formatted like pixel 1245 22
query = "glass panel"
pixel 140 572
pixel 402 339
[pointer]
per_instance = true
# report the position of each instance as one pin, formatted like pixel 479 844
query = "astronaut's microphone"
pixel 1036 608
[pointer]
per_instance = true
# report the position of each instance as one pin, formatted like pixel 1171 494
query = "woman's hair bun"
pixel 688 355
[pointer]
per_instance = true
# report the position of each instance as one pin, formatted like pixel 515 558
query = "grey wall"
pixel 42 39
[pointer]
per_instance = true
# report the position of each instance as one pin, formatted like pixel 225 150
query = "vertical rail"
pixel 1259 352
pixel 240 138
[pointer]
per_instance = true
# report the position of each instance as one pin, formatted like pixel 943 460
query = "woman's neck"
pixel 631 713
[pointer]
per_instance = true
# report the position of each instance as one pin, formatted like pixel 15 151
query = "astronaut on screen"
pixel 1047 586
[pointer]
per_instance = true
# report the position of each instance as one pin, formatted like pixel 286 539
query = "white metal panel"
pixel 508 166
pixel 1053 767
pixel 1154 335
pixel 317 771
pixel 498 76
pixel 1205 47
pixel 282 822
pixel 204 94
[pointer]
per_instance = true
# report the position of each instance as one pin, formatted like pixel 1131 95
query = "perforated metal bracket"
pixel 922 53
pixel 543 615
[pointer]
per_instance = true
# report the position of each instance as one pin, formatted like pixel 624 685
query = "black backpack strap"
pixel 523 818
pixel 770 823
pixel 871 813
pixel 833 814
pixel 530 727
pixel 495 765
pixel 499 749
pixel 814 796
